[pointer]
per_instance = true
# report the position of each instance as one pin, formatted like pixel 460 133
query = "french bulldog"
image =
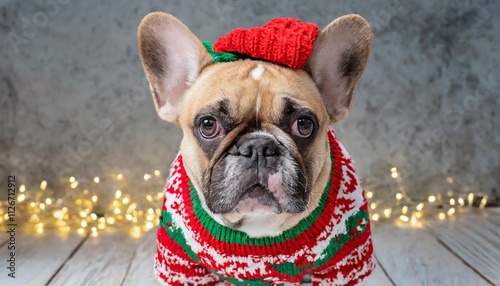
pixel 257 154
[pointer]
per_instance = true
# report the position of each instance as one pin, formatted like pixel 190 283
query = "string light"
pixel 451 211
pixel 404 218
pixel 420 206
pixel 461 202
pixel 441 216
pixel 85 212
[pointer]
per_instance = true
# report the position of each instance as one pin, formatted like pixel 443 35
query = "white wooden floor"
pixel 462 251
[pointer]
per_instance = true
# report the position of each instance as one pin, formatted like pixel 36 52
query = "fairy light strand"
pixel 94 205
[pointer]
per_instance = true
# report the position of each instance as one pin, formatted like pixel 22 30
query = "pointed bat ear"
pixel 172 58
pixel 338 61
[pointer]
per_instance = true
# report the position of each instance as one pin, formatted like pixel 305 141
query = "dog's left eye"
pixel 302 127
pixel 209 127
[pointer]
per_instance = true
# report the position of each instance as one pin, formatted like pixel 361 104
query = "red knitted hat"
pixel 285 41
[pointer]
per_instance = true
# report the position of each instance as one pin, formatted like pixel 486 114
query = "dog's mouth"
pixel 257 199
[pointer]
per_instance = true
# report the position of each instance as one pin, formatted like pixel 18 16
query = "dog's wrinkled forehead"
pixel 252 95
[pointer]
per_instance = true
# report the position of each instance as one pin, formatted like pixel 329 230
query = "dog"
pixel 262 192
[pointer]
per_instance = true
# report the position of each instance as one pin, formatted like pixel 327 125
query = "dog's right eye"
pixel 209 127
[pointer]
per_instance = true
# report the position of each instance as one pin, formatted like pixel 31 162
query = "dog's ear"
pixel 339 57
pixel 172 58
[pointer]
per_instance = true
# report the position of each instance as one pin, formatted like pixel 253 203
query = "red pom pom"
pixel 285 41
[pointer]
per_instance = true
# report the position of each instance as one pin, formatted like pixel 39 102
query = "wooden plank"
pixel 411 256
pixel 101 260
pixel 469 239
pixel 483 227
pixel 39 256
pixel 141 267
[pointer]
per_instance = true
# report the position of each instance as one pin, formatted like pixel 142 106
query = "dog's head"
pixel 255 140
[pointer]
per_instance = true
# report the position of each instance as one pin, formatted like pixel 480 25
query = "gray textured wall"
pixel 428 102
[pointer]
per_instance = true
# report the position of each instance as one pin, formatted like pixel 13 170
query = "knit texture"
pixel 285 41
pixel 220 57
pixel 332 244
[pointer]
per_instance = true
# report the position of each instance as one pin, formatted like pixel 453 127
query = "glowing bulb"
pixel 399 196
pixel 42 206
pixel 21 197
pixel 94 198
pixel 83 214
pixel 394 169
pixel 93 229
pixel 22 188
pixel 451 211
pixel 387 212
pixel 129 217
pixel 149 225
pixel 441 216
pixel 118 194
pixel 83 223
pixel 420 206
pixel 101 226
pixel 461 201
pixel 414 219
pixel 375 217
pixel 470 198
pixel 110 220
pixel 404 218
pixel 125 200
pixel 404 210
pixel 72 179
pixel 432 199
pixel 369 194
pixel 484 201
pixel 119 176
pixel 57 214
pixel 157 173
pixel 373 206
pixel 452 202
pixel 149 198
pixel 394 175
pixel 93 216
pixel 48 201
pixel 43 185
pixel 117 211
pixel 147 177
pixel 96 180
pixel 80 231
pixel 32 204
pixel 74 184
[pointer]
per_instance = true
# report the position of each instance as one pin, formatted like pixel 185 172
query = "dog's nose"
pixel 258 147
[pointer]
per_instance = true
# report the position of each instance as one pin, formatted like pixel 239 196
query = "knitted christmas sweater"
pixel 333 244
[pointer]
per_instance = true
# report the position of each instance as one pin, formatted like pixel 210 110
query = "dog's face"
pixel 255 143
